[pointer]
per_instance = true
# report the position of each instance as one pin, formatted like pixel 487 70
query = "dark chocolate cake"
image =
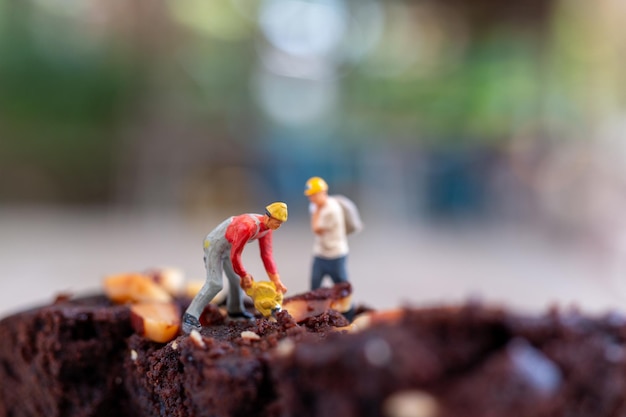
pixel 81 357
pixel 65 359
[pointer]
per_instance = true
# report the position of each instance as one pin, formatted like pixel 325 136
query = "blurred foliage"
pixel 494 91
pixel 61 98
pixel 70 93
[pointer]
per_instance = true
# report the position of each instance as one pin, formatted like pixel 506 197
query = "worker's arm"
pixel 316 220
pixel 267 255
pixel 238 233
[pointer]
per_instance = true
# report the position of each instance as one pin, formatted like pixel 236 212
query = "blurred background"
pixel 482 140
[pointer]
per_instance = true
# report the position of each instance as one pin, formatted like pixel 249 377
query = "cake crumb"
pixel 196 338
pixel 133 355
pixel 410 403
pixel 247 334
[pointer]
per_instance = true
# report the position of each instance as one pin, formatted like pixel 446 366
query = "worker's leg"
pixel 338 272
pixel 317 273
pixel 234 303
pixel 209 290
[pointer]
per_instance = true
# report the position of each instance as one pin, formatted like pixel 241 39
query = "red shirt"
pixel 244 229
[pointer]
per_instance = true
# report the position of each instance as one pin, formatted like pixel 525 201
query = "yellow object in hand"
pixel 265 297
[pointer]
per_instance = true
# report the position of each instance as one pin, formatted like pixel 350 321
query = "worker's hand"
pixel 275 278
pixel 246 281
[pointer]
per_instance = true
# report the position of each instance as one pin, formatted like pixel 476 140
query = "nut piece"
pixel 247 334
pixel 365 320
pixel 196 338
pixel 171 279
pixel 157 321
pixel 343 304
pixel 410 403
pixel 301 309
pixel 285 348
pixel 133 287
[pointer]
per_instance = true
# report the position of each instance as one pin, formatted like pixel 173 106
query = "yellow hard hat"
pixel 277 210
pixel 314 185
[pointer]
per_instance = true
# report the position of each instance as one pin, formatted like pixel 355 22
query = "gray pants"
pixel 217 261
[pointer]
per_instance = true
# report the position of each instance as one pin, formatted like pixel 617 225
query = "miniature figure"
pixel 222 252
pixel 332 219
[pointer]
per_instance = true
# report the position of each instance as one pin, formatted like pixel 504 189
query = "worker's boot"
pixel 190 323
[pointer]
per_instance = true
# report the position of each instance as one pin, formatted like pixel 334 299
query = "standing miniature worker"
pixel 222 252
pixel 329 224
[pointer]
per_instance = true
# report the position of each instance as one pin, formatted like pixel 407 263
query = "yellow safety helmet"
pixel 315 185
pixel 277 210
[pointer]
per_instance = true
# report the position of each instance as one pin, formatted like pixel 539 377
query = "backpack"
pixel 350 214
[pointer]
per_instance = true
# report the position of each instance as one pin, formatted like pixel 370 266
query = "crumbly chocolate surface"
pixel 81 358
pixel 64 360
pixel 469 361
pixel 335 292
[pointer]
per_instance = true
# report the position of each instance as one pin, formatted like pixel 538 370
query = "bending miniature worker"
pixel 330 248
pixel 222 252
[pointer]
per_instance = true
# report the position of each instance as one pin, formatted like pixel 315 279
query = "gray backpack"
pixel 350 214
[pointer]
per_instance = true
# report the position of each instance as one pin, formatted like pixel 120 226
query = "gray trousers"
pixel 217 261
pixel 214 284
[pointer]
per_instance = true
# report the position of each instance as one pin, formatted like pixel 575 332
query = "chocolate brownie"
pixel 467 361
pixel 65 359
pixel 226 370
pixel 81 358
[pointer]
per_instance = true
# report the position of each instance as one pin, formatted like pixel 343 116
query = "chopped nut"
pixel 365 320
pixel 301 309
pixel 362 322
pixel 342 305
pixel 410 403
pixel 132 287
pixel 174 345
pixel 171 279
pixel 133 355
pixel 159 322
pixel 196 338
pixel 247 334
pixel 350 328
pixel 285 347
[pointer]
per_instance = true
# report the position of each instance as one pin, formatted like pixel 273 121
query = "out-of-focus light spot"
pixel 311 68
pixel 411 40
pixel 248 9
pixel 217 18
pixel 64 33
pixel 365 29
pixel 68 8
pixel 400 46
pixel 294 101
pixel 303 28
